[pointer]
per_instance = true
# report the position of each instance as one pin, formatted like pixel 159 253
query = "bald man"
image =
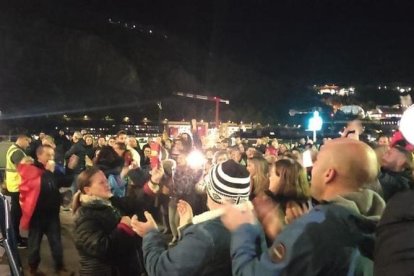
pixel 336 237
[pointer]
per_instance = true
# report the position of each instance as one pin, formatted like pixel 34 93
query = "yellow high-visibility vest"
pixel 12 176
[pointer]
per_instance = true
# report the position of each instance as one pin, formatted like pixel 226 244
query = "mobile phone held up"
pixel 155 155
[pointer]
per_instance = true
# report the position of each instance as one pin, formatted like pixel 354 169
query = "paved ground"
pixel 71 256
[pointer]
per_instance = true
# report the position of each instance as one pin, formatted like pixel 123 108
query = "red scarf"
pixel 29 192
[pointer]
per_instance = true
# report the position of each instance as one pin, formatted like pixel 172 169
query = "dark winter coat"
pixel 104 247
pixel 394 247
pixel 48 203
pixel 393 182
pixel 79 150
pixel 89 151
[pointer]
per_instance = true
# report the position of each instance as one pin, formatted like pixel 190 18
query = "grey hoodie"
pixel 366 202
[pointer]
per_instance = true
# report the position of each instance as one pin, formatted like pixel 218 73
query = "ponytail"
pixel 76 201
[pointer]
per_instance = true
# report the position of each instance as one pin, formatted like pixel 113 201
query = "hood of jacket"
pixel 393 182
pixel 365 202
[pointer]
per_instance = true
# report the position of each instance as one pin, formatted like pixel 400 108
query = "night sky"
pixel 67 56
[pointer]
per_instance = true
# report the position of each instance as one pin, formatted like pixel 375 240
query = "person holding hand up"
pixel 40 201
pixel 104 239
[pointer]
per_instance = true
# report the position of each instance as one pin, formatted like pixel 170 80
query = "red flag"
pixel 29 192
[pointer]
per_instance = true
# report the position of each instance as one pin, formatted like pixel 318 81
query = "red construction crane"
pixel 206 98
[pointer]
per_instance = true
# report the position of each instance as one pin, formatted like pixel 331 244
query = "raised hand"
pixel 126 220
pixel 234 217
pixel 294 211
pixel 269 215
pixel 185 212
pixel 142 228
pixel 50 165
pixel 27 160
pixel 157 174
pixel 73 161
pixel 88 161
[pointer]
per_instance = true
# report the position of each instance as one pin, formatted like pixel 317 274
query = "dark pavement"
pixel 71 257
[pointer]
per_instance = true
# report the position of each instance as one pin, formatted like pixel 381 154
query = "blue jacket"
pixel 117 184
pixel 203 250
pixel 332 239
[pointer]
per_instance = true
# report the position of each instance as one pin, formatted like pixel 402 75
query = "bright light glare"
pixel 196 159
pixel 406 125
pixel 316 122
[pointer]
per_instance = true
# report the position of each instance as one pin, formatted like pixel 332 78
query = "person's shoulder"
pixel 335 221
pixel 96 214
pixel 309 223
pixel 402 198
pixel 332 210
pixel 94 210
pixel 316 214
pixel 396 209
pixel 208 235
pixel 80 144
pixel 18 155
pixel 210 229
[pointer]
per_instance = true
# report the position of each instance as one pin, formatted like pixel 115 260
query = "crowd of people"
pixel 339 208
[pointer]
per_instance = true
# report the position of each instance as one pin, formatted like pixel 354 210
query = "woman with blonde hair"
pixel 259 175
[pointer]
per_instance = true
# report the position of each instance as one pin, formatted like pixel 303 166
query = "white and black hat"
pixel 228 182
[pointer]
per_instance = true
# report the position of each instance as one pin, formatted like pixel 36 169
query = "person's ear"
pixel 87 190
pixel 330 175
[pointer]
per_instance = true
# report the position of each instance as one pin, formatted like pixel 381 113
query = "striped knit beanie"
pixel 228 182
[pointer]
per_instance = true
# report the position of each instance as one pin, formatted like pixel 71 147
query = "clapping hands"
pixel 185 212
pixel 234 217
pixel 142 228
